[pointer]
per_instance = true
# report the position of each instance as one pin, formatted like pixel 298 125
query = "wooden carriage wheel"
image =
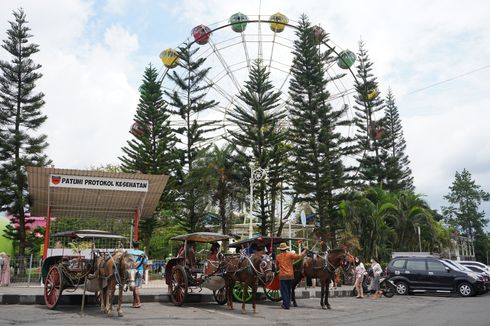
pixel 220 296
pixel 53 286
pixel 178 285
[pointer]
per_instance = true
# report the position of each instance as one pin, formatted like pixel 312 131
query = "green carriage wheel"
pixel 238 293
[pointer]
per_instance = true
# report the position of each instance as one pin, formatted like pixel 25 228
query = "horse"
pixel 248 270
pixel 324 269
pixel 118 269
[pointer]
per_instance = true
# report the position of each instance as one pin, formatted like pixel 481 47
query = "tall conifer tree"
pixel 259 136
pixel 318 172
pixel 152 150
pixel 20 117
pixel 368 121
pixel 398 173
pixel 187 101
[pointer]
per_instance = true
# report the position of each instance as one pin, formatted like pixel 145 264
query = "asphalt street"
pixel 399 310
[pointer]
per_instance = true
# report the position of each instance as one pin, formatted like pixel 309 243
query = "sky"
pixel 433 55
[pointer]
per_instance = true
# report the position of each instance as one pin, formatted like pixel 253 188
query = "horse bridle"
pixel 262 265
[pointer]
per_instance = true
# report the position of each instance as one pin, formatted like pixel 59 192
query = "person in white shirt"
pixel 360 271
pixel 377 271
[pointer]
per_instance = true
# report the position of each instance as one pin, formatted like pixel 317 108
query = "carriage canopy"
pixel 206 237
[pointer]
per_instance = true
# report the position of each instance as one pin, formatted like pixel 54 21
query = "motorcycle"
pixel 386 286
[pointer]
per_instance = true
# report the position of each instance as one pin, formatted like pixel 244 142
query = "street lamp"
pixel 256 174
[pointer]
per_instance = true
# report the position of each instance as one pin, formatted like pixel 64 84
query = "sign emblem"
pixel 55 179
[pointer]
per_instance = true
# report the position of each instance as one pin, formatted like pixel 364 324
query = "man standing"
pixel 286 272
pixel 141 262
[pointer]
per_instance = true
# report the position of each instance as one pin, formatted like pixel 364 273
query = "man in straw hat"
pixel 286 272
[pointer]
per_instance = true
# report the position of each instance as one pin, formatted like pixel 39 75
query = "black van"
pixel 430 274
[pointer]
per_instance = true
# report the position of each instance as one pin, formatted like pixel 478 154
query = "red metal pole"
pixel 136 224
pixel 46 234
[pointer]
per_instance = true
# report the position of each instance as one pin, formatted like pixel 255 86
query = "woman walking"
pixel 360 271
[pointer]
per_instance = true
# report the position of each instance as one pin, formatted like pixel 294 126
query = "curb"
pixel 76 299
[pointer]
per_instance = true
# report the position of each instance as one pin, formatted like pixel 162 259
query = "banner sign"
pixel 97 183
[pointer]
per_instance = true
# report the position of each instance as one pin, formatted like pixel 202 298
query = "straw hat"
pixel 283 246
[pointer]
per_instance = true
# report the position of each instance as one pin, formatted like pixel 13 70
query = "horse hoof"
pixel 243 312
pixel 120 314
pixel 109 314
pixel 324 308
pixel 328 307
pixel 294 304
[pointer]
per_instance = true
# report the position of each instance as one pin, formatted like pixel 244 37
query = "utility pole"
pixel 420 242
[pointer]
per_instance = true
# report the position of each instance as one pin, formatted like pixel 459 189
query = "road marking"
pixel 224 313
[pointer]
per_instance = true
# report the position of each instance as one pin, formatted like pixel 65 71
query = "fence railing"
pixel 29 275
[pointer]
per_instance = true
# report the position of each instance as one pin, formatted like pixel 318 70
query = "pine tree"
pixel 187 101
pixel 463 212
pixel 317 170
pixel 152 149
pixel 259 135
pixel 464 199
pixel 368 123
pixel 398 173
pixel 20 117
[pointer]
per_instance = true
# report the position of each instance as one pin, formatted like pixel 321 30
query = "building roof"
pixel 73 201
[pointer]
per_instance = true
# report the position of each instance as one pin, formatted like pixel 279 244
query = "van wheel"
pixel 401 288
pixel 465 289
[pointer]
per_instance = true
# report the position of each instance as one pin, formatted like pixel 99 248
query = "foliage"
pixel 79 246
pixel 20 118
pixel 317 170
pixel 367 120
pixel 398 174
pixel 218 171
pixel 259 136
pixel 386 222
pixel 160 244
pixel 186 102
pixel 465 198
pixel 34 237
pixel 462 213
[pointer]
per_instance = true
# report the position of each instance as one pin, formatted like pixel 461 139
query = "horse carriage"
pixel 70 269
pixel 182 274
pixel 271 289
pixel 90 199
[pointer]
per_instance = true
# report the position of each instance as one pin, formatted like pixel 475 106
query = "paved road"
pixel 399 310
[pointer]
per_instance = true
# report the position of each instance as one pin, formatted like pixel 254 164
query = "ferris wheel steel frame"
pixel 228 71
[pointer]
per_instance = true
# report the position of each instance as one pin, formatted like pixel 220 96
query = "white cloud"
pixel 117 7
pixel 92 63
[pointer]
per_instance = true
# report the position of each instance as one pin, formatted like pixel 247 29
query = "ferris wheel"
pixel 230 48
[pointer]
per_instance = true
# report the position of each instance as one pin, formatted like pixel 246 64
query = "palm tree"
pixel 366 216
pixel 218 171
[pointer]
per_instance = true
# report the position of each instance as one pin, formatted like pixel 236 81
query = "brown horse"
pixel 248 270
pixel 118 269
pixel 324 269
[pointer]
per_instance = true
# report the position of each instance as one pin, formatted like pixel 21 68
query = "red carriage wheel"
pixel 273 295
pixel 53 286
pixel 178 285
pixel 272 290
pixel 220 295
